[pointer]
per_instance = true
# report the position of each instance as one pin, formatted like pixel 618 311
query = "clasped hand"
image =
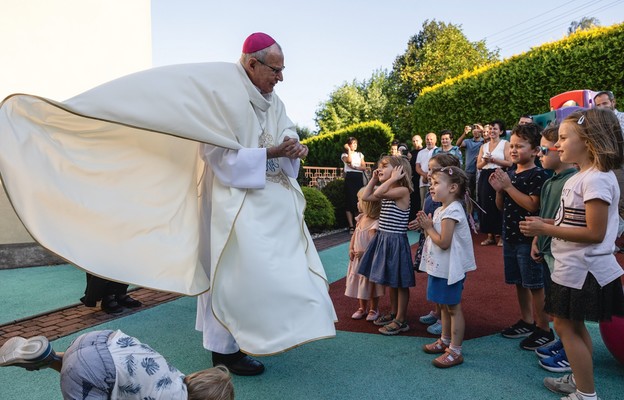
pixel 499 180
pixel 423 220
pixel 291 148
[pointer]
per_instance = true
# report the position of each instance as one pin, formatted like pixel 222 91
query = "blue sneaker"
pixel 549 350
pixel 557 363
pixel 428 319
pixel 436 328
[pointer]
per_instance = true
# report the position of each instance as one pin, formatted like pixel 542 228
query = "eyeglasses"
pixel 544 150
pixel 276 71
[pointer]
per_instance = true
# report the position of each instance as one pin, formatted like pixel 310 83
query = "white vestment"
pixel 107 180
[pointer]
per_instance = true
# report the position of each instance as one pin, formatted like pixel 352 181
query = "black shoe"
pixel 87 303
pixel 238 363
pixel 537 339
pixel 127 301
pixel 110 305
pixel 518 330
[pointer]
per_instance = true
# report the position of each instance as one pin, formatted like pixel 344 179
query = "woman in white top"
pixel 354 168
pixel 492 155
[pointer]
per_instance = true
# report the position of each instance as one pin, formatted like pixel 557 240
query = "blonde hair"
pixel 369 208
pixel 210 384
pixel 401 161
pixel 600 130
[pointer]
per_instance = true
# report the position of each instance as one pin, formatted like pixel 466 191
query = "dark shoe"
pixel 518 330
pixel 110 305
pixel 537 339
pixel 127 301
pixel 238 363
pixel 87 303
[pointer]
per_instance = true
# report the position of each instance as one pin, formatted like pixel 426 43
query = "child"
pixel 586 281
pixel 388 259
pixel 438 161
pixel 447 256
pixel 110 364
pixel 357 285
pixel 518 195
pixel 552 357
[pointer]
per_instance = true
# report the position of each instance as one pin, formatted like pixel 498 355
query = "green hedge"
pixel 590 59
pixel 335 193
pixel 319 212
pixel 374 138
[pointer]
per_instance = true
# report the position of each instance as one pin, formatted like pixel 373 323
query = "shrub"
pixel 319 212
pixel 335 193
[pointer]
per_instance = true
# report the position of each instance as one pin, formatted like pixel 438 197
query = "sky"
pixel 329 42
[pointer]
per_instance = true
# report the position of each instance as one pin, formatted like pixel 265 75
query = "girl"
pixel 586 278
pixel 357 285
pixel 436 162
pixel 388 259
pixel 447 256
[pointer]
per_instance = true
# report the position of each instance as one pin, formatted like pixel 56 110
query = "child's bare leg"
pixel 457 324
pixel 575 340
pixel 57 364
pixel 541 318
pixel 445 317
pixel 402 300
pixel 363 304
pixel 374 303
pixel 526 304
pixel 394 300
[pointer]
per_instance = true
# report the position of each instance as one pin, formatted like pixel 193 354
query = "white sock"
pixel 456 349
pixel 446 340
pixel 587 396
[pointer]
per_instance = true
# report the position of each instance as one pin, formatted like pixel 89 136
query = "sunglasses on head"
pixel 544 150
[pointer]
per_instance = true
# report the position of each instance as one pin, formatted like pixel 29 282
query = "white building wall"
pixel 59 48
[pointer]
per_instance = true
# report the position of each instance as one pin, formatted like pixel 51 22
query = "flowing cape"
pixel 108 179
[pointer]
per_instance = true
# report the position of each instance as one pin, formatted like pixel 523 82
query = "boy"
pixel 518 195
pixel 552 357
pixel 109 364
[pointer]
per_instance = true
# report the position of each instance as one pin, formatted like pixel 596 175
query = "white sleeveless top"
pixel 499 153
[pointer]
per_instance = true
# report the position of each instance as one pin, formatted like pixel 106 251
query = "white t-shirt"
pixel 574 260
pixel 356 161
pixel 142 373
pixel 423 159
pixel 454 262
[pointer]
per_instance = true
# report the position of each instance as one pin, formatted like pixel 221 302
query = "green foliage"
pixel 335 193
pixel 373 137
pixel 319 212
pixel 303 132
pixel 352 103
pixel 588 59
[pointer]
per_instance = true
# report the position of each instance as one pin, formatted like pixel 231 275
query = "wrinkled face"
pixel 385 171
pixel 572 148
pixel 550 160
pixel 520 150
pixel 264 75
pixel 603 101
pixel 431 140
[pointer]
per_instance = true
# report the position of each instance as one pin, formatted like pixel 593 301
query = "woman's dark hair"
pixel 501 126
pixel 351 139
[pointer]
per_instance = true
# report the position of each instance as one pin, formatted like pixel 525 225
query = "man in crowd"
pixel 422 165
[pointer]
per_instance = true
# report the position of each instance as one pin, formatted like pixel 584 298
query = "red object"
pixel 612 333
pixel 579 98
pixel 256 42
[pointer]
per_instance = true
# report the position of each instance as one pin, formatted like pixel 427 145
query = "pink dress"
pixel 358 286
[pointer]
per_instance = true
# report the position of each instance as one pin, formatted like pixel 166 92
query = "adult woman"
pixel 492 155
pixel 354 168
pixel 447 146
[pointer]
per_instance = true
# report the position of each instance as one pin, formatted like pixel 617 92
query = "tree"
pixel 439 51
pixel 303 131
pixel 353 103
pixel 584 23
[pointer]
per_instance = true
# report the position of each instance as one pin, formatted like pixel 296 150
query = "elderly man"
pixel 117 194
pixel 422 165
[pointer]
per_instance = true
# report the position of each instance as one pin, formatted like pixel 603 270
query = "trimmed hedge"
pixel 319 212
pixel 374 138
pixel 589 59
pixel 335 193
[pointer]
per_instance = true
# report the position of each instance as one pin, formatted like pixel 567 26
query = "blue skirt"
pixel 388 260
pixel 440 292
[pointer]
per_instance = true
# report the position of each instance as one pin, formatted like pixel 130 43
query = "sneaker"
pixel 359 314
pixel 518 330
pixel 435 329
pixel 32 354
pixel 537 339
pixel 557 363
pixel 575 396
pixel 394 328
pixel 428 319
pixel 372 315
pixel 448 359
pixel 437 347
pixel 550 350
pixel 563 385
pixel 384 319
